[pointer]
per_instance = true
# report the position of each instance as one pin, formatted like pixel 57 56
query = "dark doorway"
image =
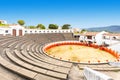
pixel 20 32
pixel 14 32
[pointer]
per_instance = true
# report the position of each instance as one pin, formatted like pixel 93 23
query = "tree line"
pixel 41 26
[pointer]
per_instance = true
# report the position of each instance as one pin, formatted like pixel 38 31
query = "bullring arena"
pixel 76 51
pixel 24 58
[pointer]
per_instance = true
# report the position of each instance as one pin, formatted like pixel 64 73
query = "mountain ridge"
pixel 112 28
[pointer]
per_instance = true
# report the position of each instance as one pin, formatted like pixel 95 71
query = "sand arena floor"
pixel 82 54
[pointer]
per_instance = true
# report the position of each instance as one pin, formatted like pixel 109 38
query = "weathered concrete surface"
pixel 75 73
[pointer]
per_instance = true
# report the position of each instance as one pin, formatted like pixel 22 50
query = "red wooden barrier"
pixel 60 57
pixel 85 44
pixel 68 59
pixel 78 60
pixel 89 62
pixel 98 61
pixel 106 60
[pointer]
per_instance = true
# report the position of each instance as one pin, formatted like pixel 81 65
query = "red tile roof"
pixel 90 33
pixel 112 34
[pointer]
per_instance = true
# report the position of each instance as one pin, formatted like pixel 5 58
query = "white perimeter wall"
pixel 37 31
pixel 5 31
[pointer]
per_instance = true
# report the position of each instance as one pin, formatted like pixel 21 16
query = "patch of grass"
pixel 4 25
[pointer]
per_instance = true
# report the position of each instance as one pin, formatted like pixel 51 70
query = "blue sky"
pixel 78 13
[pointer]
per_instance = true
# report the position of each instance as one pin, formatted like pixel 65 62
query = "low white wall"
pixel 9 30
pixel 95 75
pixel 34 31
pixel 5 31
pixel 115 64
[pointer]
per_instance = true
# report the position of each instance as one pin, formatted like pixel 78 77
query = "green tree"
pixel 21 22
pixel 66 26
pixel 53 26
pixel 40 26
pixel 32 27
pixel 83 30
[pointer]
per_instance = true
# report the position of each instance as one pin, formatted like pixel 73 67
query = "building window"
pixel 25 31
pixel 114 38
pixel 6 31
pixel 30 31
pixel 89 37
pixel 104 37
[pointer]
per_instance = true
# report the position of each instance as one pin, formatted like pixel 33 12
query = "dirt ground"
pixel 81 54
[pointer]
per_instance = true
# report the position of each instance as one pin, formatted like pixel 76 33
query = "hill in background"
pixel 113 28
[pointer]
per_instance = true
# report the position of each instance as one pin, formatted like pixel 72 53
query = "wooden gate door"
pixel 14 32
pixel 20 32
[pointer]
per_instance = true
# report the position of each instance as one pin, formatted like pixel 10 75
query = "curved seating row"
pixel 47 59
pixel 23 55
pixel 7 69
pixel 34 66
pixel 17 69
pixel 49 71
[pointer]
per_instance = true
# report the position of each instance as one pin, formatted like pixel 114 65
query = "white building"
pixel 3 22
pixel 88 37
pixel 15 30
pixel 100 38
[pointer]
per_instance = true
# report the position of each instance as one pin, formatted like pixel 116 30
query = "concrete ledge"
pixel 44 69
pixel 17 69
pixel 95 75
pixel 3 77
pixel 115 64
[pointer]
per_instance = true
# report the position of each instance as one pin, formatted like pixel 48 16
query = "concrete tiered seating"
pixel 39 63
pixel 55 36
pixel 69 36
pixel 42 57
pixel 3 77
pixel 17 69
pixel 24 59
pixel 43 69
pixel 34 68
